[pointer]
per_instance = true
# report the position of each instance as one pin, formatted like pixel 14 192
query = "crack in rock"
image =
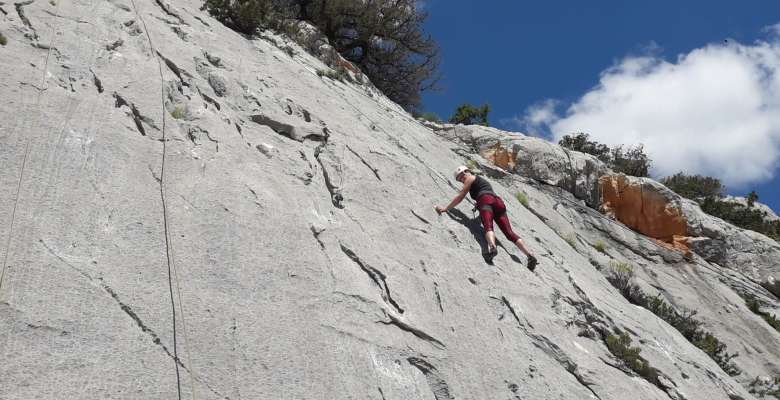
pixel 96 81
pixel 20 11
pixel 438 296
pixel 414 331
pixel 439 387
pixel 316 232
pixel 137 117
pixel 379 278
pixel 180 73
pixel 168 9
pixel 335 192
pixel 419 217
pixel 209 100
pixel 374 170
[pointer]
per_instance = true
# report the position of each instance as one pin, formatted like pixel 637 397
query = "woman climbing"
pixel 490 207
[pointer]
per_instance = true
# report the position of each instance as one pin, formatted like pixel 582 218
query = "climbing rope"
pixel 13 213
pixel 168 245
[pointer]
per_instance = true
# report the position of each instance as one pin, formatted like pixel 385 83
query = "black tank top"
pixel 479 187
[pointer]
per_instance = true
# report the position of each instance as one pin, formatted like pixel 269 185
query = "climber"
pixel 490 207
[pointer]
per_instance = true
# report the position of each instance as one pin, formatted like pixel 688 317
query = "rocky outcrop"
pixel 179 246
pixel 536 158
pixel 644 206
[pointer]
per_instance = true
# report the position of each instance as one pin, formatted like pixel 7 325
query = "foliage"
pixel 571 239
pixel 600 246
pixel 752 198
pixel 694 187
pixel 430 117
pixel 384 38
pixel 178 112
pixel 337 74
pixel 741 216
pixel 620 347
pixel 621 277
pixel 630 161
pixel 580 142
pixel 245 16
pixel 3 39
pixel 472 165
pixel 468 114
pixel 708 192
pixel 754 306
pixel 522 198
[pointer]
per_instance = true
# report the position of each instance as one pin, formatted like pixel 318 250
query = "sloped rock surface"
pixel 170 246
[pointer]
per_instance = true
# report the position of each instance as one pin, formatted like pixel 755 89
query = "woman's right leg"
pixel 503 223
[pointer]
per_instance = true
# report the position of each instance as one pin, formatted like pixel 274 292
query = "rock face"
pixel 643 206
pixel 164 241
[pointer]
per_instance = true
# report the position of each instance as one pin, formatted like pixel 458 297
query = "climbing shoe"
pixel 532 261
pixel 490 254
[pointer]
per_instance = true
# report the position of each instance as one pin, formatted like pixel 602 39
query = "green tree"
pixel 581 142
pixel 385 39
pixel 632 161
pixel 752 198
pixel 694 187
pixel 244 16
pixel 467 114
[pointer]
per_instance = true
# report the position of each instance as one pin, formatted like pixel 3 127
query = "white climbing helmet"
pixel 461 170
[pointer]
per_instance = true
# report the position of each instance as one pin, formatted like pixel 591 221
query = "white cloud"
pixel 537 118
pixel 713 111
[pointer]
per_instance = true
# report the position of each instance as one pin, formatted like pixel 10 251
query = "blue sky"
pixel 698 82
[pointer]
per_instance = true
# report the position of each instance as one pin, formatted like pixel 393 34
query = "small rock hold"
pixel 473 281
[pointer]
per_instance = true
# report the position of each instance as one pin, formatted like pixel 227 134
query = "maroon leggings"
pixel 492 207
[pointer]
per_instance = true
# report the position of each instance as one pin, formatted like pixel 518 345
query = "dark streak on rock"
pixel 379 278
pixel 438 385
pixel 374 170
pixel 180 73
pixel 137 117
pixel 96 81
pixel 419 217
pixel 414 331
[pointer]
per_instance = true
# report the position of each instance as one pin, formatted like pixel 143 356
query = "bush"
pixel 600 246
pixel 754 306
pixel 522 198
pixel 3 39
pixel 741 216
pixel 694 187
pixel 384 38
pixel 430 117
pixel 580 142
pixel 571 239
pixel 179 112
pixel 631 161
pixel 245 16
pixel 467 114
pixel 620 347
pixel 621 278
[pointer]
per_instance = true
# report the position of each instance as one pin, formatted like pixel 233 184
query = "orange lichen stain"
pixel 644 211
pixel 500 156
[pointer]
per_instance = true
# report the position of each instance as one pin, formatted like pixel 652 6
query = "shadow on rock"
pixel 474 226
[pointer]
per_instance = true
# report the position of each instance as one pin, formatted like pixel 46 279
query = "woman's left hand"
pixel 440 210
